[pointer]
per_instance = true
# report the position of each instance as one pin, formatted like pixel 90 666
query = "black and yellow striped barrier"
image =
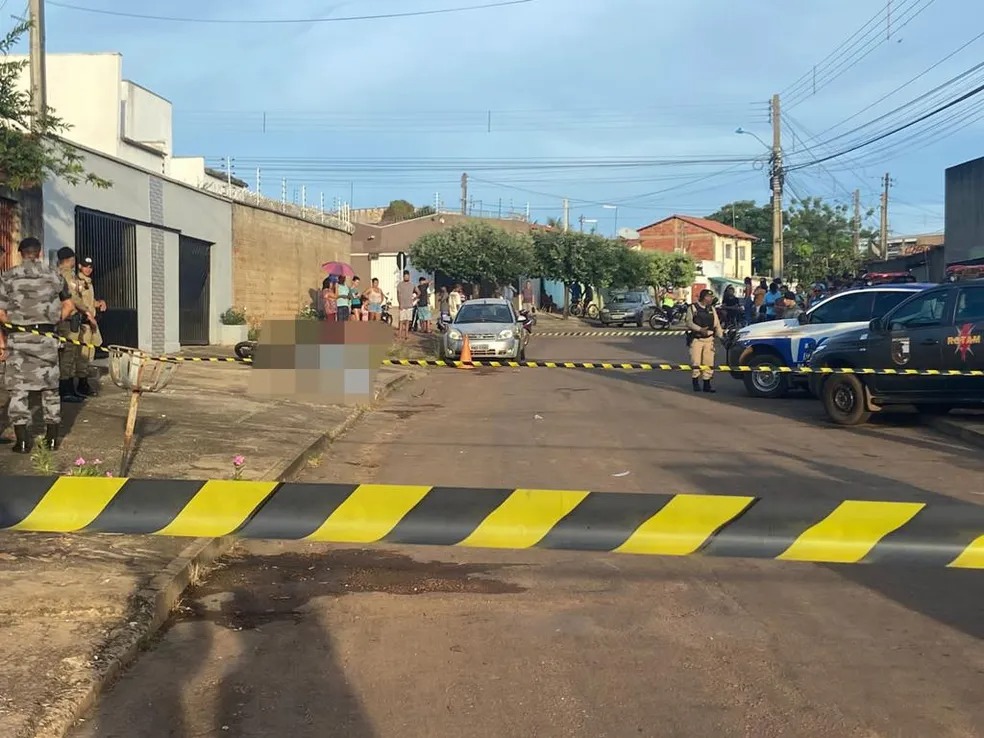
pixel 782 527
pixel 104 350
pixel 684 367
pixel 605 333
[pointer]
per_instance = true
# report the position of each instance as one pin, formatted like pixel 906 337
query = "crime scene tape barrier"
pixel 604 333
pixel 684 367
pixel 808 529
pixel 104 350
pixel 566 364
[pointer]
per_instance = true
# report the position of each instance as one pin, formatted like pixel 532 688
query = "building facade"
pixel 718 249
pixel 964 212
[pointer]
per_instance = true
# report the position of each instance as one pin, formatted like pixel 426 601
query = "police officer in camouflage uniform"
pixel 33 297
pixel 70 357
pixel 88 335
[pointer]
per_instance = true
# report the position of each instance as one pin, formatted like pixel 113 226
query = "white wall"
pixel 84 91
pixel 146 117
pixel 190 169
pixel 186 209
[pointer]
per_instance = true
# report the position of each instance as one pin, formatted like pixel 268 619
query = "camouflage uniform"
pixel 87 334
pixel 31 294
pixel 70 356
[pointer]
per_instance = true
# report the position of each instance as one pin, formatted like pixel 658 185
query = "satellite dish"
pixel 628 234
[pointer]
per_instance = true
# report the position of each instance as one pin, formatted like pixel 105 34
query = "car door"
pixel 963 347
pixel 912 338
pixel 851 307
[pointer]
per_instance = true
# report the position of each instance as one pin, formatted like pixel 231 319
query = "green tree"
pixel 666 269
pixel 755 220
pixel 571 256
pixel 819 240
pixel 425 210
pixel 476 251
pixel 31 148
pixel 398 210
pixel 632 268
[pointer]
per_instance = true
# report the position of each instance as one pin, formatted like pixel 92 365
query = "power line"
pixel 966 96
pixel 271 21
pixel 901 87
pixel 842 58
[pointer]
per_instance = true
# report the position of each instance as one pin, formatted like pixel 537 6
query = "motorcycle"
pixel 664 317
pixel 244 349
pixel 530 320
pixel 386 316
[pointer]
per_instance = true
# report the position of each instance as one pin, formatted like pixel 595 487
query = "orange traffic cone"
pixel 466 355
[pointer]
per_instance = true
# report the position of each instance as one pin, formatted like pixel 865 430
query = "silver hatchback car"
pixel 494 330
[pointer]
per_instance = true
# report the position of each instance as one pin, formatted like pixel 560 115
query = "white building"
pixel 162 246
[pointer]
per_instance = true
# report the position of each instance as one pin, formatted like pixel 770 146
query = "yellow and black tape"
pixel 104 350
pixel 810 529
pixel 606 333
pixel 685 367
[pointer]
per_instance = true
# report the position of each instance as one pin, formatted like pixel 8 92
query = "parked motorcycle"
pixel 386 316
pixel 244 349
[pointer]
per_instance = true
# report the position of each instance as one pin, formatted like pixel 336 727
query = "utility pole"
pixel 776 177
pixel 567 215
pixel 39 77
pixel 580 221
pixel 856 224
pixel 883 236
pixel 464 193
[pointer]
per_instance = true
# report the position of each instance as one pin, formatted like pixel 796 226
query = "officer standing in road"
pixel 33 297
pixel 71 352
pixel 703 326
pixel 89 336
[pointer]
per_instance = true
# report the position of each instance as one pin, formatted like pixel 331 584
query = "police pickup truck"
pixel 791 342
pixel 940 331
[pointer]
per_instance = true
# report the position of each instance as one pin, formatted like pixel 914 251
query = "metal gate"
pixel 194 271
pixel 111 242
pixel 8 227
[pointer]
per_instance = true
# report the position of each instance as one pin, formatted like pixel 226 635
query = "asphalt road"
pixel 313 640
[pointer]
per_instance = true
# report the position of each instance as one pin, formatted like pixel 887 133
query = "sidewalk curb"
pixel 956 430
pixel 158 599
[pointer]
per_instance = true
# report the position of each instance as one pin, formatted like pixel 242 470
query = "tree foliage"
pixel 31 149
pixel 817 236
pixel 670 270
pixel 399 210
pixel 473 252
pixel 755 220
pixel 819 240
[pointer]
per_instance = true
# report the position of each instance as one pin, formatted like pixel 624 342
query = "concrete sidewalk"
pixel 967 426
pixel 77 608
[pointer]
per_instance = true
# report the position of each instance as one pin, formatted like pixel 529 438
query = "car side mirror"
pixel 876 325
pixel 803 318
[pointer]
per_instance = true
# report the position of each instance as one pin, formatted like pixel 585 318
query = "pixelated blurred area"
pixel 319 362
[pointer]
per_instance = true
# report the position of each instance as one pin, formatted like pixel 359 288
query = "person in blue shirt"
pixel 344 300
pixel 771 297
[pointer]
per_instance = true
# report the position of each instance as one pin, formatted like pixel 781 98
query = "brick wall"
pixel 672 235
pixel 276 260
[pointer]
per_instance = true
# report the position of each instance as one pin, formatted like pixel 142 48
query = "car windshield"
pixel 484 314
pixel 634 297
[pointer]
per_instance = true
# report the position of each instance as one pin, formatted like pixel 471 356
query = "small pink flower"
pixel 80 461
pixel 238 460
pixel 109 474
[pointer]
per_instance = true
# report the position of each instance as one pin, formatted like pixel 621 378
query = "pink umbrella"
pixel 338 269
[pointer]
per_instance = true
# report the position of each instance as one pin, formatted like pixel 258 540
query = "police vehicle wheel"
pixel 767 384
pixel 843 399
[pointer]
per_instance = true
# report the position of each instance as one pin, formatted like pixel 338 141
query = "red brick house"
pixel 704 240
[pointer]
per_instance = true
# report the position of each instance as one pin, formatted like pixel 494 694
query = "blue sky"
pixel 608 89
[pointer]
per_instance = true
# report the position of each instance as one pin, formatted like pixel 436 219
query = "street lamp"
pixel 615 226
pixel 741 130
pixel 776 177
pixel 582 220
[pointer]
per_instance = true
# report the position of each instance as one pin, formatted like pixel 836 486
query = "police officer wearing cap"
pixel 33 299
pixel 703 326
pixel 89 336
pixel 70 357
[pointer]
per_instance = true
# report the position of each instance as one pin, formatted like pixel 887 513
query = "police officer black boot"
pixel 708 387
pixel 51 437
pixel 22 443
pixel 66 390
pixel 84 389
pixel 696 385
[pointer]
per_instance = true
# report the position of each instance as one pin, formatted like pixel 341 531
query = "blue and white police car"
pixel 791 342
